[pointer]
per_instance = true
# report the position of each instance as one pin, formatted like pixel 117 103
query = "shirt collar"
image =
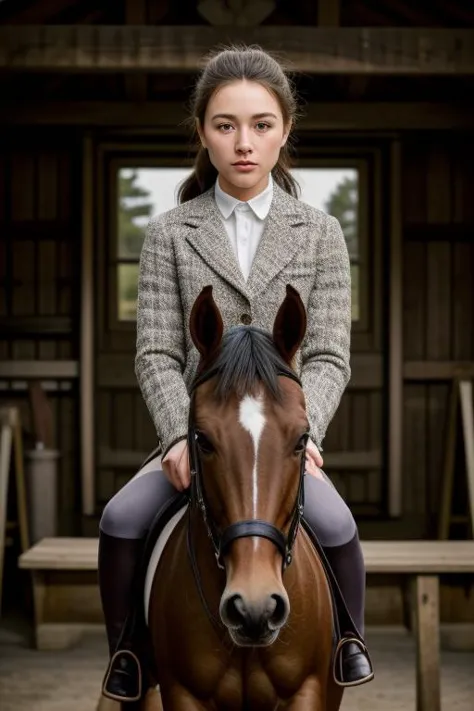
pixel 260 204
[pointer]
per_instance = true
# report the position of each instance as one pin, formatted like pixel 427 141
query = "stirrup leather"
pixel 136 661
pixel 337 663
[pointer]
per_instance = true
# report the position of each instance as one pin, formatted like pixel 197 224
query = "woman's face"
pixel 243 132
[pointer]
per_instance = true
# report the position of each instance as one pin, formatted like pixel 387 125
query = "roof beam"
pixel 318 116
pixel 316 50
pixel 329 13
pixel 136 85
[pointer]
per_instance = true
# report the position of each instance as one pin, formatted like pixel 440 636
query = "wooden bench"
pixel 67 599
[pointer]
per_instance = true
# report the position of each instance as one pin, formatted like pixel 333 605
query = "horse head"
pixel 248 435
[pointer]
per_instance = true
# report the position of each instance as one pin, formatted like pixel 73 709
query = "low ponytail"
pixel 282 176
pixel 201 179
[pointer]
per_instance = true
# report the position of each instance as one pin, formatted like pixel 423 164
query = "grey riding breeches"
pixel 130 512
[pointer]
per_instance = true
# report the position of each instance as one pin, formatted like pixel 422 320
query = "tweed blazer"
pixel 187 248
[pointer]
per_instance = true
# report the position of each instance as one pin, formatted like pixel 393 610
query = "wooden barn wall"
pixel 40 224
pixel 438 304
pixel 39 295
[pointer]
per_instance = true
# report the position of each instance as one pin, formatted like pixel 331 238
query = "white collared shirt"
pixel 244 222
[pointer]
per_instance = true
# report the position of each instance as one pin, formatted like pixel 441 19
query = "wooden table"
pixel 56 564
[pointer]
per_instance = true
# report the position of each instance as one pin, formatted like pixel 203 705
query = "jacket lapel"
pixel 209 238
pixel 284 234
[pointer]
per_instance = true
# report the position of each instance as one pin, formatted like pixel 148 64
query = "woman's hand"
pixel 313 460
pixel 176 465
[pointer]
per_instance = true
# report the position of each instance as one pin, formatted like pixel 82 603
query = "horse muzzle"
pixel 254 622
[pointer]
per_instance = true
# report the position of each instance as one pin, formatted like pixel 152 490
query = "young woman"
pixel 241 228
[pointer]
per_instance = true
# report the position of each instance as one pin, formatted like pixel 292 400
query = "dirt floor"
pixel 70 680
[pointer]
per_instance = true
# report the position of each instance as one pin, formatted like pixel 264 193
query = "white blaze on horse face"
pixel 252 419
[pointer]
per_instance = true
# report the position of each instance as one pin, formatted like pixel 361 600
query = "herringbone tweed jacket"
pixel 187 248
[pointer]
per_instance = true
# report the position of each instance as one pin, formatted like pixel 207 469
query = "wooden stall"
pixel 93 90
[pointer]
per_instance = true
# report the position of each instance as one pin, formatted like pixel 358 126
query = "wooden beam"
pixel 38 369
pixel 35 13
pixel 424 370
pixel 337 116
pixel 329 13
pixel 315 50
pixel 136 85
pixel 26 326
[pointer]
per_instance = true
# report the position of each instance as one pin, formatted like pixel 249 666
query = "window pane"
pixel 127 282
pixel 143 193
pixel 336 191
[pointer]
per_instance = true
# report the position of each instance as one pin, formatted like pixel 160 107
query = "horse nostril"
pixel 234 611
pixel 280 611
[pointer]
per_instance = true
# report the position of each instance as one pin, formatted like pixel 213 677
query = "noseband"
pixel 221 541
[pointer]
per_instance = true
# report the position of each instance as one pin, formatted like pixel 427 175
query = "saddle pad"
pixel 156 554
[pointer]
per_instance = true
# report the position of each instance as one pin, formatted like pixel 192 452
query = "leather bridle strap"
pixel 253 527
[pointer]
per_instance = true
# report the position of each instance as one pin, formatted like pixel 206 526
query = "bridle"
pixel 221 540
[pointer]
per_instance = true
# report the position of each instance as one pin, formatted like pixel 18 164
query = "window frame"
pixel 359 165
pixel 113 261
pixel 366 159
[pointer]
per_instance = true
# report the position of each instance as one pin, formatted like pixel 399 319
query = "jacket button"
pixel 246 319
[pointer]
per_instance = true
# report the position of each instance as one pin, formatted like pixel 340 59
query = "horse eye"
pixel 204 444
pixel 301 446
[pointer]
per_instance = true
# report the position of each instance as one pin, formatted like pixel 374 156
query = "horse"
pixel 240 613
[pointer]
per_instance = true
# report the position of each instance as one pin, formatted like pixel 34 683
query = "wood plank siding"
pixel 39 314
pixel 72 111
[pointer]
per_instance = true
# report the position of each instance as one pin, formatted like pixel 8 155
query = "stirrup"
pixel 338 673
pixel 117 665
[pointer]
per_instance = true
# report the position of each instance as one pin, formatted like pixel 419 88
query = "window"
pixel 142 193
pixel 146 192
pixel 336 191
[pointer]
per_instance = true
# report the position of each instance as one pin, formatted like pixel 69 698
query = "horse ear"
pixel 206 324
pixel 290 324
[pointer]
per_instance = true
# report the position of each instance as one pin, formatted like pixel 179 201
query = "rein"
pixel 221 540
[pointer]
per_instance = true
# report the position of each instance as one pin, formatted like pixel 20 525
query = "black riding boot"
pixel 118 559
pixel 352 664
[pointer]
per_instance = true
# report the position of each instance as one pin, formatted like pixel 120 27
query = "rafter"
pixel 325 50
pixel 136 85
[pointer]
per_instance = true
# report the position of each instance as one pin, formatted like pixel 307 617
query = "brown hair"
pixel 228 65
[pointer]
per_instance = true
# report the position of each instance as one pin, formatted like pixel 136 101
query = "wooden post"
pixel 395 424
pixel 467 413
pixel 87 333
pixel 5 459
pixel 425 601
pixel 11 440
pixel 461 393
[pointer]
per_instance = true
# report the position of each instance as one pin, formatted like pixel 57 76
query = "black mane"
pixel 247 357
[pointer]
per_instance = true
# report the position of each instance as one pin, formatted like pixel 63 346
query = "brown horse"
pixel 240 611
